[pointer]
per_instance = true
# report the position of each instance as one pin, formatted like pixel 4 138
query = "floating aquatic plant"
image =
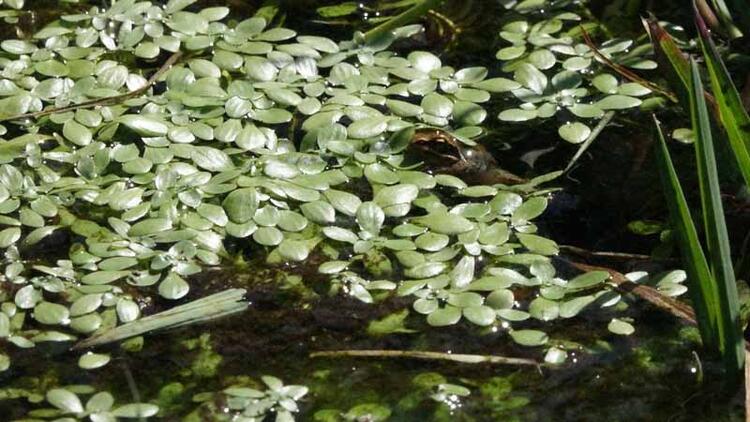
pixel 250 404
pixel 559 74
pixel 166 178
pixel 67 404
pixel 156 143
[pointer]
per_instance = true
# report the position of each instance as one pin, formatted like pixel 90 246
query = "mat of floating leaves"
pixel 290 142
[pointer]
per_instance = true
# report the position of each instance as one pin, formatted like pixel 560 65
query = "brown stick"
pixel 415 354
pixel 103 101
pixel 647 293
pixel 747 385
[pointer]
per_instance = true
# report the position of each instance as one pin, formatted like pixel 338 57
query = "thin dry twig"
pixel 623 71
pixel 415 354
pixel 610 255
pixel 591 138
pixel 649 294
pixel 103 101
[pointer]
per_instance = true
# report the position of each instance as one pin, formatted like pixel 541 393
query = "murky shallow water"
pixel 652 376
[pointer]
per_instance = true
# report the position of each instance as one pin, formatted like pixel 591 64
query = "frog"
pixel 443 153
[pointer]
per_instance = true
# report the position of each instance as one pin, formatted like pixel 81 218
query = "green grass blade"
pixel 732 113
pixel 741 13
pixel 725 16
pixel 211 307
pixel 408 16
pixel 702 289
pixel 730 333
pixel 671 60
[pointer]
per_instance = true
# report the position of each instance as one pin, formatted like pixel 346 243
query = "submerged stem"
pixel 416 354
pixel 408 16
pixel 605 254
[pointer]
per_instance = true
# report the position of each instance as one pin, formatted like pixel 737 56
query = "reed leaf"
pixel 713 287
pixel 702 289
pixel 730 334
pixel 732 113
pixel 670 58
pixel 724 14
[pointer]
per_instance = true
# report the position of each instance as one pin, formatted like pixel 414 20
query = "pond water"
pixel 655 374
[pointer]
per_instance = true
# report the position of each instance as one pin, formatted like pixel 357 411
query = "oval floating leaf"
pixel 529 337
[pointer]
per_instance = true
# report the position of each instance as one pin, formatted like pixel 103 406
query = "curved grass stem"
pixel 408 16
pixel 592 136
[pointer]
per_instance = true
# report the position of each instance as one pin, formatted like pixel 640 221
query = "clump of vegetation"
pixel 166 178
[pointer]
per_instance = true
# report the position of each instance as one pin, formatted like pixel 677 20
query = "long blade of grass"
pixel 210 307
pixel 732 113
pixel 406 17
pixel 730 334
pixel 703 292
pixel 674 63
pixel 670 58
pixel 725 16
